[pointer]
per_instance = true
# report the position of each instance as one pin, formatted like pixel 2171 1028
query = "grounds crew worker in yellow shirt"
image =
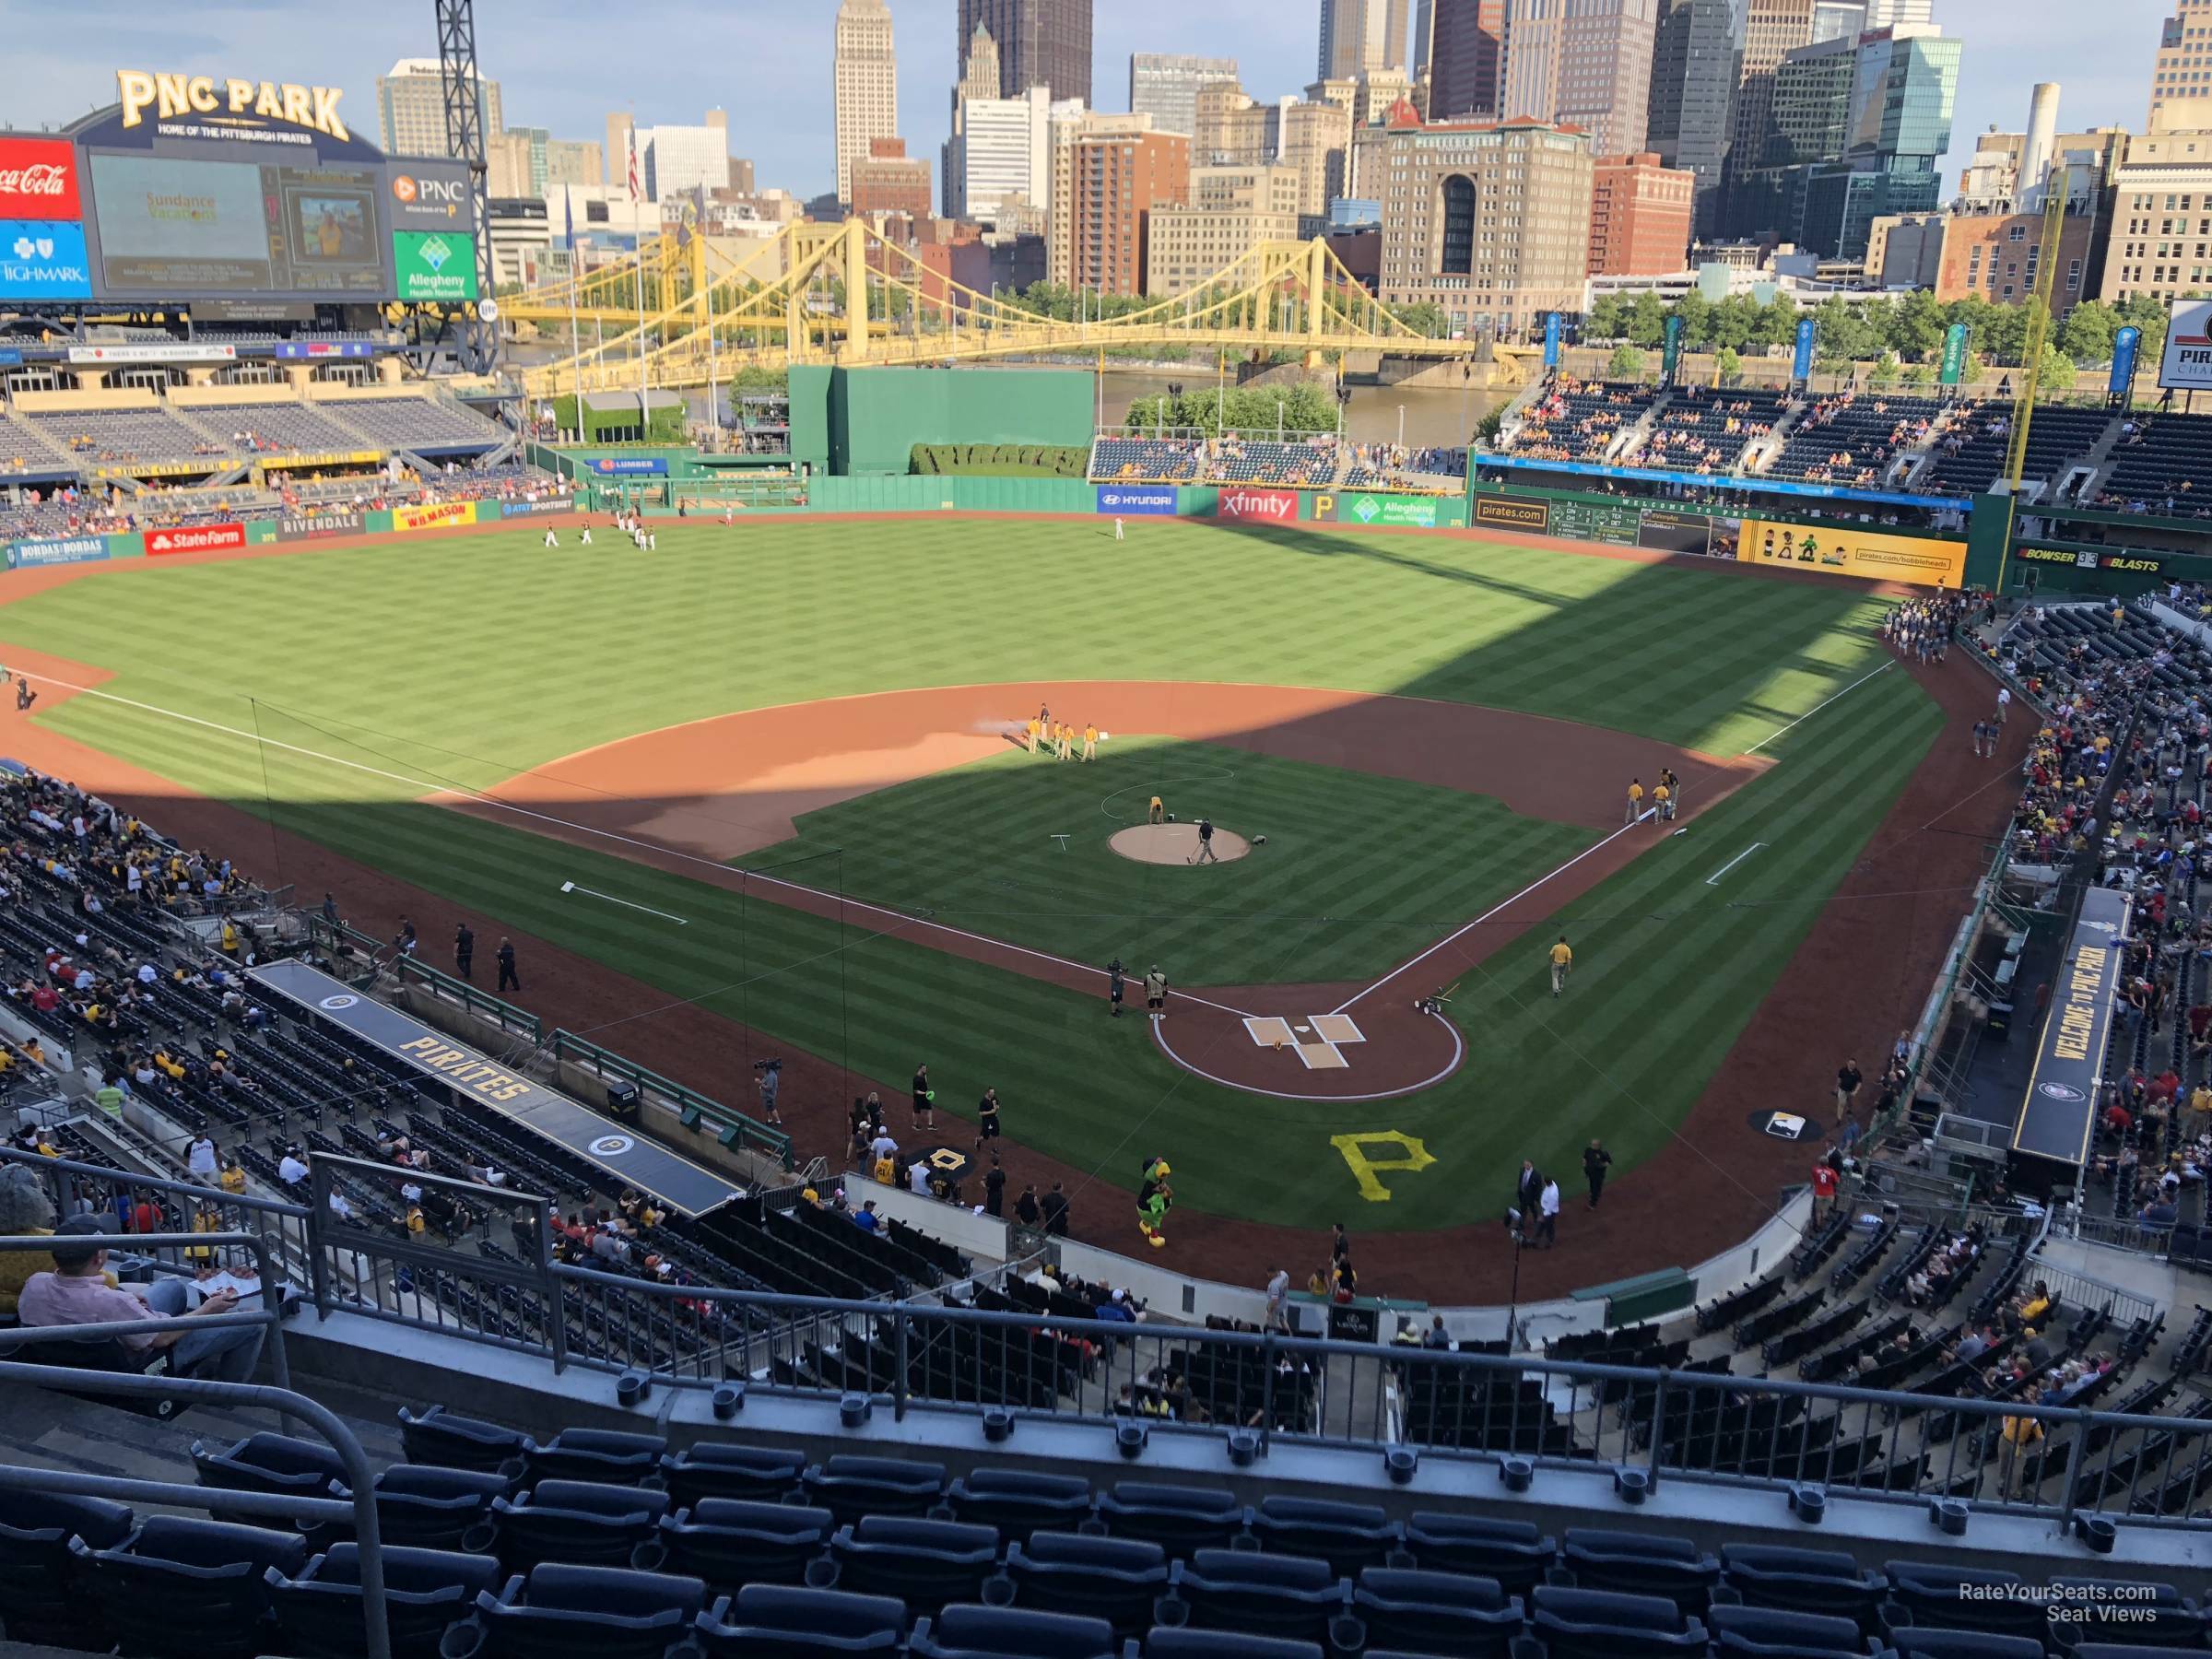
pixel 1662 802
pixel 1562 964
pixel 1090 741
pixel 1635 800
pixel 1036 731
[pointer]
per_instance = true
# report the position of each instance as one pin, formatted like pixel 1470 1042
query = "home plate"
pixel 1304 1031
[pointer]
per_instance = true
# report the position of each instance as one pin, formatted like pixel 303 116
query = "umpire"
pixel 464 951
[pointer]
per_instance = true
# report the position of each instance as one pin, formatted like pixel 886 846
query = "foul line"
pixel 1642 818
pixel 1459 1049
pixel 1817 708
pixel 1714 879
pixel 726 871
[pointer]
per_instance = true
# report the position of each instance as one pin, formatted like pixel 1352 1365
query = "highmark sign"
pixel 166 97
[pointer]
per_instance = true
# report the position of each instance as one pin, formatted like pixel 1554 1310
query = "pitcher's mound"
pixel 1174 844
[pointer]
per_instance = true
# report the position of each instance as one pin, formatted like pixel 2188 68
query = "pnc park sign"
pixel 168 96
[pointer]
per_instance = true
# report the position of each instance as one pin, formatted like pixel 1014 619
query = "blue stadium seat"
pixel 575 1521
pixel 563 1612
pixel 442 1437
pixel 1446 1612
pixel 1289 1596
pixel 1118 1580
pixel 778 1621
pixel 1931 1643
pixel 723 1469
pixel 924 1563
pixel 275 1463
pixel 1513 1552
pixel 319 1612
pixel 1925 1593
pixel 959 1632
pixel 1019 1502
pixel 849 1488
pixel 1774 1633
pixel 1804 1581
pixel 1599 1624
pixel 1178 1519
pixel 190 1588
pixel 601 1454
pixel 1641 1564
pixel 731 1544
pixel 1169 1643
pixel 1346 1536
pixel 40 1593
pixel 2135 1612
pixel 425 1507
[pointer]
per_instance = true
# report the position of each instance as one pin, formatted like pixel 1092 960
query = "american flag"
pixel 634 192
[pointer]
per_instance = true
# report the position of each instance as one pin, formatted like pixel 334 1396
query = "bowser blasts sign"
pixel 38 180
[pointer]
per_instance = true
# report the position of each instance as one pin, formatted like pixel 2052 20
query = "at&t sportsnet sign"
pixel 1124 499
pixel 1265 506
pixel 2187 365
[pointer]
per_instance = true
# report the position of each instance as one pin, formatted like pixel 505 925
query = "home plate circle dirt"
pixel 1175 843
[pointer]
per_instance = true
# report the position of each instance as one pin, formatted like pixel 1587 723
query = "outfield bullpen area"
pixel 771 766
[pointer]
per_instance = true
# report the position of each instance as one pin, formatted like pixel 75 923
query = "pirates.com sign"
pixel 2187 365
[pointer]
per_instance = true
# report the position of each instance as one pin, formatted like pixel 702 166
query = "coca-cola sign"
pixel 38 180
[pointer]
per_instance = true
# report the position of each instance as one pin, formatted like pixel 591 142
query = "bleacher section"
pixel 1707 430
pixel 422 425
pixel 1972 456
pixel 2163 461
pixel 1578 420
pixel 264 428
pixel 1318 461
pixel 1850 440
pixel 97 438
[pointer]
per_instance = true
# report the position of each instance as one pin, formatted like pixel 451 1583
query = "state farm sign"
pixel 38 180
pixel 196 538
pixel 1268 506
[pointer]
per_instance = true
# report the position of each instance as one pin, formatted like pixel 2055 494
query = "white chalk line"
pixel 1714 879
pixel 1642 818
pixel 723 870
pixel 1817 708
pixel 577 887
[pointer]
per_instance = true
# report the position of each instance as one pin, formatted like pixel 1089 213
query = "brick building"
pixel 1640 216
pixel 886 180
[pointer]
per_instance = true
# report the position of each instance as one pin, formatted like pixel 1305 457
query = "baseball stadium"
pixel 777 975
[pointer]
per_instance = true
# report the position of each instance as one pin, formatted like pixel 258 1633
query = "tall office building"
pixel 887 181
pixel 676 160
pixel 1696 58
pixel 1771 27
pixel 1489 221
pixel 1041 43
pixel 1165 86
pixel 1838 20
pixel 1069 127
pixel 867 76
pixel 621 138
pixel 1639 216
pixel 2181 84
pixel 1581 63
pixel 2143 255
pixel 1232 210
pixel 1314 141
pixel 1000 152
pixel 573 161
pixel 410 108
pixel 1360 34
pixel 1116 182
pixel 1461 44
pixel 1904 87
pixel 1890 14
pixel 1231 130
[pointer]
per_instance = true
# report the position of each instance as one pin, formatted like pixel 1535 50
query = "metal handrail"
pixel 359 1477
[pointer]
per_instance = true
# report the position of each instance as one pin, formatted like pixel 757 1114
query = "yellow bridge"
pixel 666 318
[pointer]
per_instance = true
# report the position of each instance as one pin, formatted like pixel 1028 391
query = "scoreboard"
pixel 196 188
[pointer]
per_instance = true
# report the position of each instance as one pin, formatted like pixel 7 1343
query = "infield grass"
pixel 461 662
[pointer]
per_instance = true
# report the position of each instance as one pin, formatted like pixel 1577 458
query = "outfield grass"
pixel 463 661
pixel 1368 869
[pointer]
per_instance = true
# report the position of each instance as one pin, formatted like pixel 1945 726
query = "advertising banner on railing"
pixel 1801 360
pixel 1847 550
pixel 630 466
pixel 311 349
pixel 72 549
pixel 2087 558
pixel 1509 512
pixel 1366 508
pixel 2187 365
pixel 1262 506
pixel 508 509
pixel 1552 340
pixel 433 515
pixel 319 526
pixel 1131 500
pixel 1954 353
pixel 2061 1109
pixel 196 538
pixel 2127 343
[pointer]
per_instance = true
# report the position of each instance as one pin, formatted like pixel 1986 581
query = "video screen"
pixel 173 228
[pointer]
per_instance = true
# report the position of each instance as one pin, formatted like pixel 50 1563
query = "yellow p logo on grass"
pixel 1353 1147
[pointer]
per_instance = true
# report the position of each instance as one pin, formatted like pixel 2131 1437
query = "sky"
pixel 564 64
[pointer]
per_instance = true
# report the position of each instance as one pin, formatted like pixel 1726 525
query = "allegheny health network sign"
pixel 435 264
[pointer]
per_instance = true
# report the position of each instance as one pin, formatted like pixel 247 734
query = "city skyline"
pixel 783 121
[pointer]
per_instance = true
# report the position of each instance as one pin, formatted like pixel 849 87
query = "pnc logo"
pixel 411 192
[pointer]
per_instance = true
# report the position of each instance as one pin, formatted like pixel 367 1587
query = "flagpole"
pixel 567 222
pixel 644 403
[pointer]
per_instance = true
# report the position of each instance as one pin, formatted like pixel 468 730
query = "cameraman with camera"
pixel 771 1081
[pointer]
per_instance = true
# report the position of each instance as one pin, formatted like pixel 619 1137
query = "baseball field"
pixel 763 792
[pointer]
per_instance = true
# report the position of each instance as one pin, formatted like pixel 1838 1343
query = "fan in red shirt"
pixel 1824 1184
